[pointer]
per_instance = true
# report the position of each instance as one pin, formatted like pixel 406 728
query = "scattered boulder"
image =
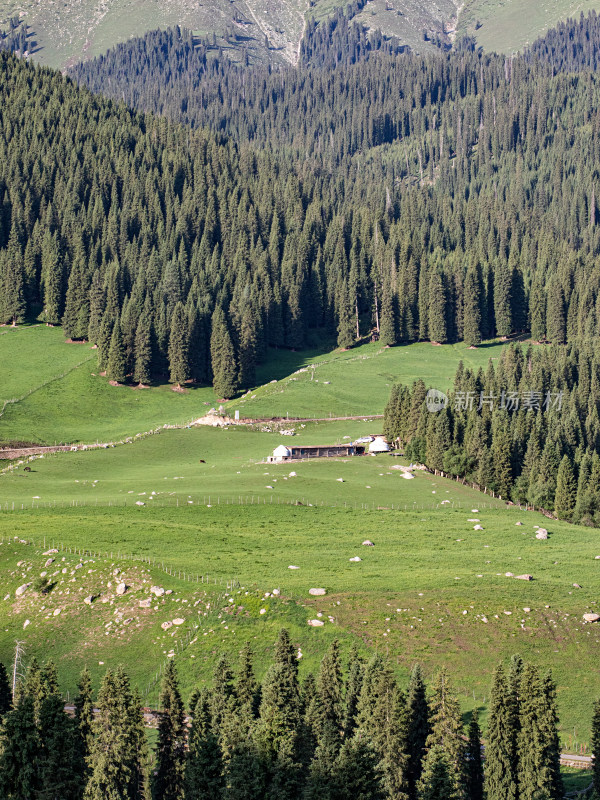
pixel 368 543
pixel 147 603
pixel 518 523
pixel 524 577
pixel 576 586
pixel 26 623
pixel 57 612
pixel 50 561
pixel 527 609
pixel 262 611
pixel 316 623
pixel 591 617
pixel 356 558
pixel 22 589
pixel 50 552
pixel 293 567
pixel 542 533
pixel 89 600
pixel 340 480
pixel 509 574
pixel 276 592
pixel 166 625
pixel 477 527
pixel 317 592
pixel 157 590
pixel 121 589
pixel 178 621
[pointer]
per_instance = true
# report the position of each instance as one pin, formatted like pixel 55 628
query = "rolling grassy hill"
pixel 48 377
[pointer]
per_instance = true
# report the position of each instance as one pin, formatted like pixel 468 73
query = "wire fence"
pixel 211 501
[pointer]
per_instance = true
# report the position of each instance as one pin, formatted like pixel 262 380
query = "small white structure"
pixel 379 445
pixel 280 454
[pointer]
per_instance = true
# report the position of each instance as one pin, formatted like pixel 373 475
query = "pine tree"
pixel 115 366
pixel 203 765
pixel 61 770
pixel 330 687
pixel 142 372
pixel 437 322
pixel 357 771
pixel 179 367
pixel 19 752
pixel 436 782
pixel 322 780
pixel 418 727
pixel 84 716
pixel 352 694
pixel 500 774
pixel 474 780
pixel 566 490
pixel 472 308
pixel 5 693
pixel 224 362
pixel 445 721
pixel 167 782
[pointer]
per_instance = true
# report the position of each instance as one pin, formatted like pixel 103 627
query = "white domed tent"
pixel 379 445
pixel 281 453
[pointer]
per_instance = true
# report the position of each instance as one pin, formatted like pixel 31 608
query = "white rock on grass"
pixel 22 589
pixel 26 623
pixel 317 592
pixel 157 590
pixel 591 617
pixel 178 621
pixel 356 558
pixel 477 527
pixel 121 589
pixel 541 534
pixel 147 603
pixel 57 612
pixel 525 577
pixel 316 623
pixel 368 543
pixel 166 625
pixel 276 592
pixel 262 611
pixel 292 566
pixel 89 600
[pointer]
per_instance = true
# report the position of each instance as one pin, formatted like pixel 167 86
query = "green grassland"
pixel 356 381
pixel 407 597
pixel 511 25
pixel 432 589
pixel 212 465
pixel 61 402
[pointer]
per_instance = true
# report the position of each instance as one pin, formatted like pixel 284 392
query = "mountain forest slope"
pixel 267 31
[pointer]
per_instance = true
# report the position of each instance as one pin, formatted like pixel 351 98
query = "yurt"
pixel 281 453
pixel 379 445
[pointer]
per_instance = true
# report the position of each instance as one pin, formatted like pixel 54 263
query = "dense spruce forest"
pixel 440 198
pixel 527 428
pixel 350 731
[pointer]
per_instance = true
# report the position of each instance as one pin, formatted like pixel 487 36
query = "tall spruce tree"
pixel 436 782
pixel 566 490
pixel 223 358
pixel 418 727
pixel 117 362
pixel 474 762
pixel 501 781
pixel 179 367
pixel 167 780
pixel 203 778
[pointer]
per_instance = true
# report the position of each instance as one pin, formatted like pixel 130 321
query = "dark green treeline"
pixel 349 731
pixel 527 428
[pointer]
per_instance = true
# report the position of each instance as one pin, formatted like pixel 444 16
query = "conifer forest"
pixel 204 223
